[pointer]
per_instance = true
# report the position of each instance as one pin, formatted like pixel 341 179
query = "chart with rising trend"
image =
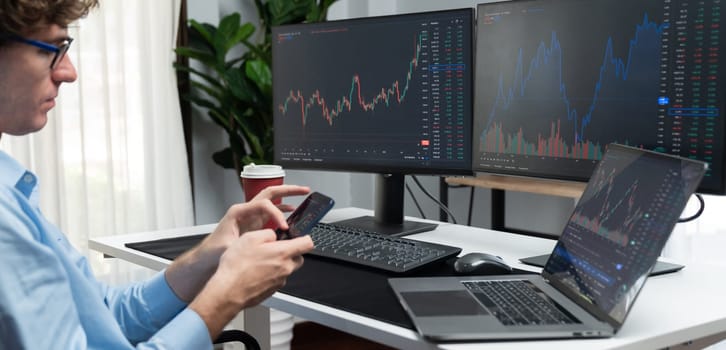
pixel 556 81
pixel 355 98
pixel 621 223
pixel 617 79
pixel 390 92
pixel 618 215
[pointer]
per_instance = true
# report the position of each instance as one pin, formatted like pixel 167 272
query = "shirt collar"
pixel 14 175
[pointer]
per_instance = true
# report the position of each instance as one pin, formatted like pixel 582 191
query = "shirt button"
pixel 28 178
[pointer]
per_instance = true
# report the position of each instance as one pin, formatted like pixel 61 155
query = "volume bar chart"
pixel 551 145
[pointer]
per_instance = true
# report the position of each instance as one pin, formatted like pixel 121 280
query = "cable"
pixel 415 201
pixel 698 213
pixel 471 205
pixel 702 203
pixel 471 200
pixel 438 202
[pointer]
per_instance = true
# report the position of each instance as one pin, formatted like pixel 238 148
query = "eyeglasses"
pixel 59 51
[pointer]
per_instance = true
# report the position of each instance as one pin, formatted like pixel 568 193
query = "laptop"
pixel 599 265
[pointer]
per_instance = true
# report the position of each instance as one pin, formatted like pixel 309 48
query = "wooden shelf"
pixel 559 188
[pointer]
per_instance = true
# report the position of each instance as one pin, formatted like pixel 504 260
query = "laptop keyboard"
pixel 375 250
pixel 518 303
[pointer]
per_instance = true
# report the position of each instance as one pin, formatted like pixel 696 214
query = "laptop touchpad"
pixel 444 303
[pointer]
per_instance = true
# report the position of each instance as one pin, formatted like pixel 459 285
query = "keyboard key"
pixel 517 303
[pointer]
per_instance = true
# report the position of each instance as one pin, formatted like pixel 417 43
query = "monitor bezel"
pixel 720 189
pixel 403 169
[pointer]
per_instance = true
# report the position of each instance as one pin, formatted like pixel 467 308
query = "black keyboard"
pixel 376 250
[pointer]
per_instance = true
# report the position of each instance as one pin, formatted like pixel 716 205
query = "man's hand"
pixel 254 214
pixel 274 192
pixel 188 273
pixel 250 216
pixel 249 271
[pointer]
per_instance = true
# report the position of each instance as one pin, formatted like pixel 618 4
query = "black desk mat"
pixel 167 248
pixel 360 290
pixel 356 289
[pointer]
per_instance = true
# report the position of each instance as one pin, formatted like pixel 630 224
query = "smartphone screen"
pixel 307 215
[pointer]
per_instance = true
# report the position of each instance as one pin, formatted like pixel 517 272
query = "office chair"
pixel 243 337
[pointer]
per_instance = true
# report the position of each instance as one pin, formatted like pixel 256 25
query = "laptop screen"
pixel 619 227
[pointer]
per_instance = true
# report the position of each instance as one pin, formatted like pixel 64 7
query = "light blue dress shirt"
pixel 49 298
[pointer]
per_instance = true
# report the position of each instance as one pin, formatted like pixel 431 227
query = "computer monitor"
pixel 557 80
pixel 390 95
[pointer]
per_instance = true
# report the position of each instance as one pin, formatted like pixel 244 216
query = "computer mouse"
pixel 481 264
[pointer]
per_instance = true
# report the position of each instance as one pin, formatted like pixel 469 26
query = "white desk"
pixel 672 309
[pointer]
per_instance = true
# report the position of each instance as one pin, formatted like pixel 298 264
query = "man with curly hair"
pixel 49 298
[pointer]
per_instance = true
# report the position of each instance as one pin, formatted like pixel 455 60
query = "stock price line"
pixel 345 103
pixel 539 91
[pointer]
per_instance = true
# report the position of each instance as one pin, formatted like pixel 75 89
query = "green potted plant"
pixel 237 91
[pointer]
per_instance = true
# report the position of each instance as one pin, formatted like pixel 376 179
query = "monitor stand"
pixel 388 211
pixel 661 267
pixel 370 223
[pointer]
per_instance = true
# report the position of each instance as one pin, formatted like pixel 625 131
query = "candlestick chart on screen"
pixel 396 91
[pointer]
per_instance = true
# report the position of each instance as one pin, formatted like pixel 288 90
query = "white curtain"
pixel 112 158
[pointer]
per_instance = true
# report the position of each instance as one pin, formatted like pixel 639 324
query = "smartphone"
pixel 307 215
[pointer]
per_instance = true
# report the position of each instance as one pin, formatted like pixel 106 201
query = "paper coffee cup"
pixel 256 178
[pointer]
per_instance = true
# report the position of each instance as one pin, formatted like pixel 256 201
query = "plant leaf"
pixel 254 50
pixel 205 30
pixel 237 91
pixel 238 85
pixel 259 72
pixel 243 34
pixel 200 102
pixel 224 158
pixel 253 141
pixel 324 6
pixel 218 117
pixel 228 28
pixel 313 14
pixel 202 56
pixel 208 78
pixel 289 11
pixel 212 92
